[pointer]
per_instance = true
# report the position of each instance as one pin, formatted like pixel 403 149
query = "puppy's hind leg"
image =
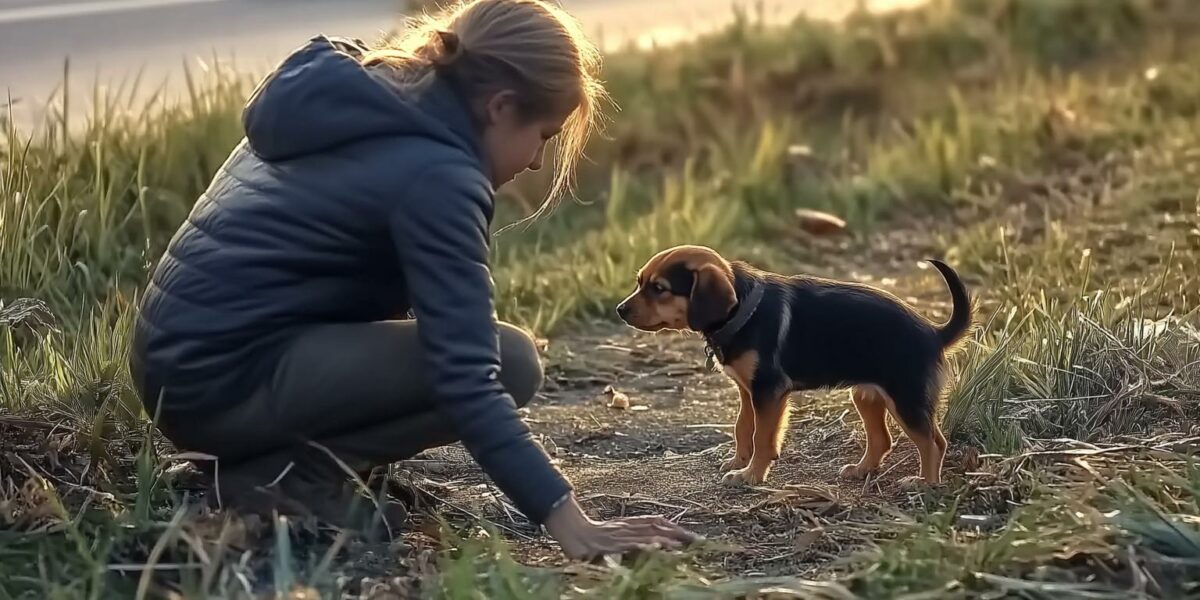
pixel 914 411
pixel 871 403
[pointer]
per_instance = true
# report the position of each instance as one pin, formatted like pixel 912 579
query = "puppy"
pixel 774 335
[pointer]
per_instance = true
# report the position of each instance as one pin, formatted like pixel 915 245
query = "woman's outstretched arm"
pixel 441 234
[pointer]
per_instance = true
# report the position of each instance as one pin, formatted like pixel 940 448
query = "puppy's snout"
pixel 623 311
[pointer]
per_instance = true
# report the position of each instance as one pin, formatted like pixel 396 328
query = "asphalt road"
pixel 110 41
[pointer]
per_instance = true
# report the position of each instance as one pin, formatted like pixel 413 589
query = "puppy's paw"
pixel 854 471
pixel 736 462
pixel 746 476
pixel 914 483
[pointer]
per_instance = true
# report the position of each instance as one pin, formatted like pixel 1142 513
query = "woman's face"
pixel 513 142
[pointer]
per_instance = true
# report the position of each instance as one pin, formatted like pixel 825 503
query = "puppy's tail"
pixel 962 316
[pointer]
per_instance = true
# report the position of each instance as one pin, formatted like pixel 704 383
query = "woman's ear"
pixel 501 107
pixel 712 298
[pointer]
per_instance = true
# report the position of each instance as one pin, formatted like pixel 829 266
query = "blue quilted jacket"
pixel 350 200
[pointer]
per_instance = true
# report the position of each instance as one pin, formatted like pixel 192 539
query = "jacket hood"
pixel 321 97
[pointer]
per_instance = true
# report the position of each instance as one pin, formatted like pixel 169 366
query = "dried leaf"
pixel 819 223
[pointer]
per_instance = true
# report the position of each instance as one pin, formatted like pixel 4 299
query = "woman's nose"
pixel 537 159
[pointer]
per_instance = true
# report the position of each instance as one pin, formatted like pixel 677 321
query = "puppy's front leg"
pixel 743 435
pixel 770 423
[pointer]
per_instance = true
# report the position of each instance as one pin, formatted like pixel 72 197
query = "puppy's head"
pixel 685 287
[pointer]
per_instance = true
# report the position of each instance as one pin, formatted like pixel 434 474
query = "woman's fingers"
pixel 643 545
pixel 588 539
pixel 676 531
pixel 648 538
pixel 663 543
pixel 626 543
pixel 623 535
pixel 619 545
pixel 659 526
pixel 667 529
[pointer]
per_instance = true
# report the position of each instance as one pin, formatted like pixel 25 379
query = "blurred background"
pixel 115 41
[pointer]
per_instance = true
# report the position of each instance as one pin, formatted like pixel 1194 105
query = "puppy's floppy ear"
pixel 712 297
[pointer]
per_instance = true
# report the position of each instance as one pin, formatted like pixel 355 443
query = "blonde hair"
pixel 529 46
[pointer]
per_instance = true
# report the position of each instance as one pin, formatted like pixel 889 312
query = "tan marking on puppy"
pixel 770 423
pixel 872 409
pixel 743 434
pixel 930 445
pixel 781 427
pixel 741 369
pixel 653 306
pixel 670 312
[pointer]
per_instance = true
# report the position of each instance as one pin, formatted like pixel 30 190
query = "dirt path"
pixel 662 455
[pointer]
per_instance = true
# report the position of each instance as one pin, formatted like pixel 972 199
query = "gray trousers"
pixel 358 391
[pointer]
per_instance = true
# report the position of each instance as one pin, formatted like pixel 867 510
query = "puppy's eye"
pixel 657 288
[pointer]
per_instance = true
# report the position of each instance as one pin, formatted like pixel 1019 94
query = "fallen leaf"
pixel 819 223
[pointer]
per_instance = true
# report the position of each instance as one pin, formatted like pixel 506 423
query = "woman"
pixel 269 334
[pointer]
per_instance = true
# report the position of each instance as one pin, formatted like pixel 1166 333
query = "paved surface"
pixel 108 41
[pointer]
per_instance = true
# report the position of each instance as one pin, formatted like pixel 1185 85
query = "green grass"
pixel 1048 147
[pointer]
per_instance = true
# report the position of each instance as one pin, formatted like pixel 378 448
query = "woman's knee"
pixel 520 366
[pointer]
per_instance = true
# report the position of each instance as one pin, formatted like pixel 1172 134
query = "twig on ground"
pixel 496 495
pixel 692 502
pixel 472 515
pixel 31 423
pixel 48 475
pixel 632 498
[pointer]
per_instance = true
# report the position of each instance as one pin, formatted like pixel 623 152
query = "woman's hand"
pixel 583 538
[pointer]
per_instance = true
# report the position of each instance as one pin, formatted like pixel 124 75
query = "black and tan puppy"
pixel 775 335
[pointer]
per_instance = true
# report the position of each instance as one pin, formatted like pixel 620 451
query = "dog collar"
pixel 719 338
